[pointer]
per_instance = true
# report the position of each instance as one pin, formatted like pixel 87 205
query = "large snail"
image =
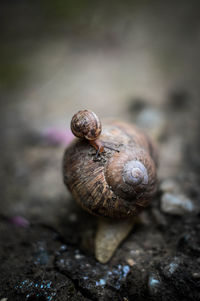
pixel 111 173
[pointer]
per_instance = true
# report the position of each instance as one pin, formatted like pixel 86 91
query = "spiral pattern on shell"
pixel 86 124
pixel 118 184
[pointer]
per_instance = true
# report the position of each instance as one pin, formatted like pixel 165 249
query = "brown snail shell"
pixel 118 184
pixel 86 124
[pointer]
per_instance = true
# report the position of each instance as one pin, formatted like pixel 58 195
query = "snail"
pixel 111 173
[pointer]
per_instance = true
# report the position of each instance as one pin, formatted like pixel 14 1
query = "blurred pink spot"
pixel 58 136
pixel 19 221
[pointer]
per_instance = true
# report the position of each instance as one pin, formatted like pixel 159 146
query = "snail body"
pixel 118 183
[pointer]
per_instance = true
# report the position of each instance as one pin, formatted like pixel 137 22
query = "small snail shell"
pixel 86 124
pixel 119 184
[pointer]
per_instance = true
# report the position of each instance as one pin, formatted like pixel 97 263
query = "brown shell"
pixel 99 185
pixel 86 124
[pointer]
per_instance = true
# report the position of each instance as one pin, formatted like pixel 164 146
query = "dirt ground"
pixel 138 63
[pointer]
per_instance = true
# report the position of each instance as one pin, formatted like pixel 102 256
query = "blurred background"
pixel 58 57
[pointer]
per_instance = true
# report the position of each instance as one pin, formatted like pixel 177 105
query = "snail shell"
pixel 118 184
pixel 86 124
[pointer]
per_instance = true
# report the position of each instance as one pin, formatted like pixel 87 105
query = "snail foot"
pixel 110 234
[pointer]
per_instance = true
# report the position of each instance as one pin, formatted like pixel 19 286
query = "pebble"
pixel 153 284
pixel 176 204
pixel 168 185
pixel 77 256
pixel 153 121
pixel 101 282
pixel 196 275
pixel 171 267
pixel 63 248
pixel 131 262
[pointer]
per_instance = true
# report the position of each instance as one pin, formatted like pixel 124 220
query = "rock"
pixel 170 268
pixel 153 121
pixel 169 185
pixel 176 204
pixel 153 283
pixel 131 262
pixel 196 275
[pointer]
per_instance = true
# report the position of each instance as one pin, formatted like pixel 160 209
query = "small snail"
pixel 114 182
pixel 86 124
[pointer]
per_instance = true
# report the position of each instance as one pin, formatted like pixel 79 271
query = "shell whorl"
pixel 86 124
pixel 132 174
pixel 135 173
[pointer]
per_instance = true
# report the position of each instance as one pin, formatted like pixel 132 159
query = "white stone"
pixel 168 185
pixel 176 204
pixel 153 121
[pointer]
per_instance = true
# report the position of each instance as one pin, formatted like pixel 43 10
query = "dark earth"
pixel 47 241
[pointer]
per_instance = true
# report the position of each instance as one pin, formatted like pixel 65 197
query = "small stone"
pixel 136 252
pixel 4 299
pixel 171 267
pixel 176 204
pixel 131 262
pixel 101 282
pixel 196 275
pixel 153 121
pixel 78 256
pixel 153 283
pixel 168 185
pixel 63 248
